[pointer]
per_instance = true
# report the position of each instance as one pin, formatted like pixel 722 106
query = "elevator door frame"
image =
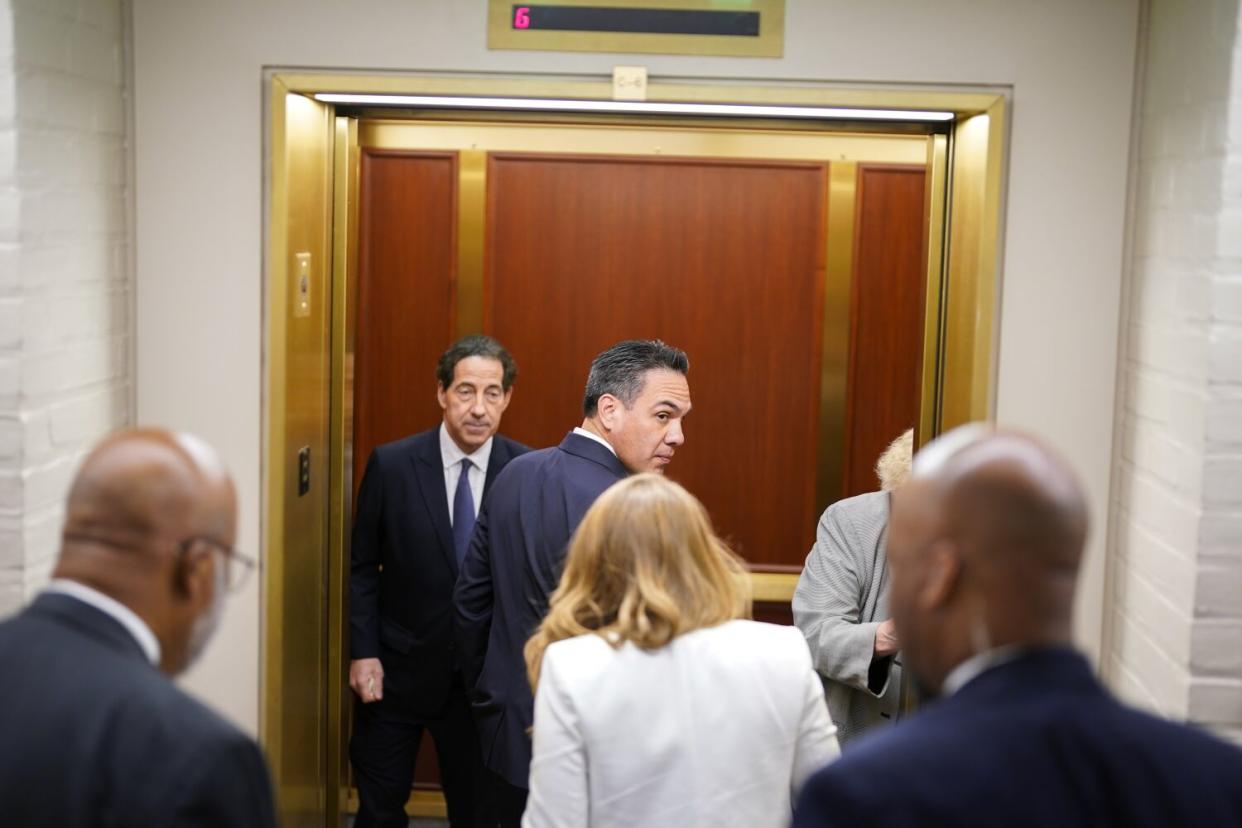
pixel 965 179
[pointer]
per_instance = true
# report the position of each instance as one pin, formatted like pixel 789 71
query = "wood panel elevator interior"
pixel 803 267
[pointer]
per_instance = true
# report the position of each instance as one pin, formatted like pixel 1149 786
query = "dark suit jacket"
pixel 403 615
pixel 512 566
pixel 1032 742
pixel 92 734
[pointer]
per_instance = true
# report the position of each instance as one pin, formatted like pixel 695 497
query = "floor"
pixel 348 822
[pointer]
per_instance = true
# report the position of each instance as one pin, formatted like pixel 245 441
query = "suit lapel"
pixel 429 468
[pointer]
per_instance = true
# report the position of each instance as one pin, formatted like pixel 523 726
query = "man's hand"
pixel 366 677
pixel 886 639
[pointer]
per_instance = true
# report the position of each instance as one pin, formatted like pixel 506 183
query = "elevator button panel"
pixel 302 284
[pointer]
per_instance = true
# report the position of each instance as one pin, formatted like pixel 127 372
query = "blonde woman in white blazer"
pixel 656 703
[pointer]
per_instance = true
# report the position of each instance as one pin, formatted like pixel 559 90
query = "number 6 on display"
pixel 521 17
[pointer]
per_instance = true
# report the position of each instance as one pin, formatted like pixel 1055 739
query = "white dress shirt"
pixel 452 456
pixel 591 435
pixel 124 616
pixel 718 728
pixel 977 664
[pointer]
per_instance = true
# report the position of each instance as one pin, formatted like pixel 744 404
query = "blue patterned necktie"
pixel 463 511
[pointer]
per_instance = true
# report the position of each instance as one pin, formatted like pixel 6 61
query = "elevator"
pixel 833 283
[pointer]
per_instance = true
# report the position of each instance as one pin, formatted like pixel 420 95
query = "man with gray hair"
pixel 841 603
pixel 636 398
pixel 415 514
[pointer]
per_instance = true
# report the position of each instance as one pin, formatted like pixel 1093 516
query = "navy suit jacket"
pixel 403 615
pixel 512 567
pixel 1032 742
pixel 92 734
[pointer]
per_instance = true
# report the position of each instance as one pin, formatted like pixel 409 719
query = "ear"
pixel 441 396
pixel 943 569
pixel 607 410
pixel 192 576
pixel 504 403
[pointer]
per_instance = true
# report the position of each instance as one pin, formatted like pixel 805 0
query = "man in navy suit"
pixel 984 546
pixel 636 397
pixel 92 731
pixel 417 507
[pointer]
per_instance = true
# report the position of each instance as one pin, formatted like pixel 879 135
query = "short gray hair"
pixel 620 370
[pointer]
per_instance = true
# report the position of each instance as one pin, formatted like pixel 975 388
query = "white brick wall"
pixel 1175 567
pixel 65 291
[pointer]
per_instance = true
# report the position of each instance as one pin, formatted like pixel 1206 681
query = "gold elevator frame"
pixel 311 205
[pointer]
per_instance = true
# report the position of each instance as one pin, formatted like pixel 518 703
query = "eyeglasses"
pixel 237 566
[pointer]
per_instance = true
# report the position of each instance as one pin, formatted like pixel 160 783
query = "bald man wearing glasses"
pixel 94 732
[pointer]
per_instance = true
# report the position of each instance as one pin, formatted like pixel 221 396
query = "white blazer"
pixel 719 728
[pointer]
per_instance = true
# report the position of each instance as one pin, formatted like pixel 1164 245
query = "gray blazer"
pixel 841 598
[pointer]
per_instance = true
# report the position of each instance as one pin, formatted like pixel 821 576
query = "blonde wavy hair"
pixel 644 566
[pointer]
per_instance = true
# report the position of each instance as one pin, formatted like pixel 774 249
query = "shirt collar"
pixel 591 435
pixel 977 664
pixel 452 455
pixel 123 615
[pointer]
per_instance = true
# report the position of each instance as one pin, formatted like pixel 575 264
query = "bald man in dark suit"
pixel 92 731
pixel 984 545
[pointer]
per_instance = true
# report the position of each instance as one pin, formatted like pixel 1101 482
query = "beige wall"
pixel 199 185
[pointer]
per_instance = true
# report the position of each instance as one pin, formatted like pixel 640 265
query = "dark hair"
pixel 620 370
pixel 471 346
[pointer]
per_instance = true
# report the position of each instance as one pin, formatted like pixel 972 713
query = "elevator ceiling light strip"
pixel 637 107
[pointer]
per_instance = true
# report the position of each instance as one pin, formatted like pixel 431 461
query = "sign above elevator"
pixel 736 28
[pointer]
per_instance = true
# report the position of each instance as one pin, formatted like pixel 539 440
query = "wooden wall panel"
pixel 722 259
pixel 406 262
pixel 886 317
